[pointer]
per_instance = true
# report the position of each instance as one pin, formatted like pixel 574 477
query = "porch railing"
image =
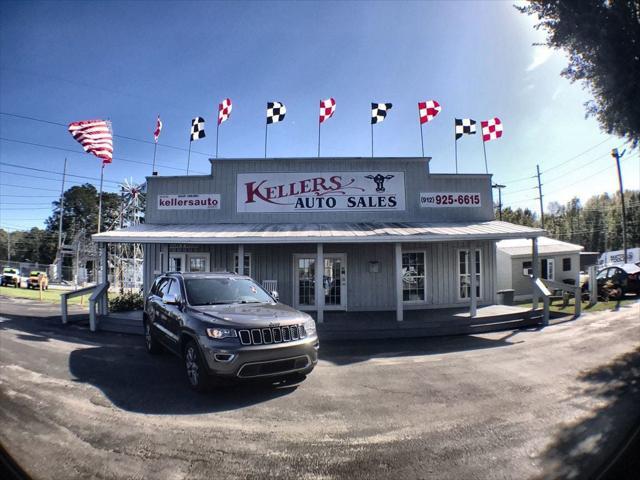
pixel 98 305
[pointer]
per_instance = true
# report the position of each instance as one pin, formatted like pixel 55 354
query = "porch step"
pixel 122 323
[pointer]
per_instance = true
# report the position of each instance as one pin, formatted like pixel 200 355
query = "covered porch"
pixel 389 243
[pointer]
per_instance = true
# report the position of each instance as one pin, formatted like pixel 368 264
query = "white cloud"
pixel 540 56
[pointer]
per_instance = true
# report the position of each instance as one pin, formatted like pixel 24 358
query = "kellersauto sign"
pixel 327 191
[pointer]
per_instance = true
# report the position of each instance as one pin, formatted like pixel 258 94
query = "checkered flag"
pixel 465 126
pixel 275 112
pixel 327 109
pixel 379 112
pixel 224 110
pixel 428 110
pixel 197 128
pixel 491 129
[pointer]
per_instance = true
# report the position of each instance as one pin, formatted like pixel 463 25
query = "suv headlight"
pixel 310 326
pixel 220 333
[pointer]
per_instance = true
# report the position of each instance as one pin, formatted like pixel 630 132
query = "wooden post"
pixel 472 272
pixel 535 266
pixel 319 282
pixel 398 272
pixel 593 286
pixel 40 280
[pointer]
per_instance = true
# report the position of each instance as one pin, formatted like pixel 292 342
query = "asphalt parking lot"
pixel 522 404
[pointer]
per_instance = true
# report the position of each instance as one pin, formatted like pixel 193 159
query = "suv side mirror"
pixel 170 299
pixel 275 295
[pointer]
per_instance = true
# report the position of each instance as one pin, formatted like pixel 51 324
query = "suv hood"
pixel 251 315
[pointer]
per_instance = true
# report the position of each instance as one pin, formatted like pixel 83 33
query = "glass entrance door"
pixel 334 281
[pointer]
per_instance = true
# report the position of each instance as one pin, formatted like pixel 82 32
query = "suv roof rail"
pixel 221 272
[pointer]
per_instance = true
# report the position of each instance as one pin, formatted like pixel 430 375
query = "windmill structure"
pixel 126 259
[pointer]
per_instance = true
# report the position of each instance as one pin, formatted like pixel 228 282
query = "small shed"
pixel 559 261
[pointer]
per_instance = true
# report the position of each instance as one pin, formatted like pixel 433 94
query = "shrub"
pixel 126 301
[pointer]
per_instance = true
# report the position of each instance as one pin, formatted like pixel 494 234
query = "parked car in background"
pixel 225 325
pixel 616 282
pixel 35 278
pixel 11 277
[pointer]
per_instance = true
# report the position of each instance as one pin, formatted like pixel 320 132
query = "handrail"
pixel 543 291
pixel 98 298
pixel 573 289
pixel 74 293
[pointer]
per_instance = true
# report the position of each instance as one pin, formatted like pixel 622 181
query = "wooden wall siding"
pixel 365 290
pixel 223 181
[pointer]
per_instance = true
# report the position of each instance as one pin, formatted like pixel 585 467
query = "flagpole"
pixel 456 149
pixel 265 139
pixel 421 137
pixel 217 134
pixel 319 137
pixel 372 140
pixel 189 156
pixel 153 168
pixel 100 198
pixel 484 149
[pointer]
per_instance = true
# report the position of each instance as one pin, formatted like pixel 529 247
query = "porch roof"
pixel 260 233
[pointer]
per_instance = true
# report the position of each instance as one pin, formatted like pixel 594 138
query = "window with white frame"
pixel 464 274
pixel 413 277
pixel 247 264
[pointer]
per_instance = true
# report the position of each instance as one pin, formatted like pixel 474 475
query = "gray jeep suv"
pixel 226 325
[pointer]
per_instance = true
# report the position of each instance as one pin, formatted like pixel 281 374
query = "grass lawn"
pixel 52 296
pixel 611 305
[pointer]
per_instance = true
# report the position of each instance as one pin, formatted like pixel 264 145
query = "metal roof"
pixel 546 246
pixel 260 233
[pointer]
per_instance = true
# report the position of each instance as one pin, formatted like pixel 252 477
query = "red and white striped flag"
pixel 327 109
pixel 95 137
pixel 224 110
pixel 428 110
pixel 491 129
pixel 156 133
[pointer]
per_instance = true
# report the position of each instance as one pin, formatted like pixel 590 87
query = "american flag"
pixel 491 129
pixel 156 133
pixel 224 110
pixel 95 137
pixel 327 109
pixel 428 110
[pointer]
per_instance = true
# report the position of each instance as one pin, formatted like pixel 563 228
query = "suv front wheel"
pixel 153 347
pixel 199 379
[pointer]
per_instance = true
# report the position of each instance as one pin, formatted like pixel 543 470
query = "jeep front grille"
pixel 266 336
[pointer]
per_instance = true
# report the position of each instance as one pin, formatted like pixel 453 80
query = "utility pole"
pixel 617 156
pixel 64 174
pixel 499 187
pixel 8 245
pixel 540 197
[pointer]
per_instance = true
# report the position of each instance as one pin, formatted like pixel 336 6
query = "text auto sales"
pixel 332 192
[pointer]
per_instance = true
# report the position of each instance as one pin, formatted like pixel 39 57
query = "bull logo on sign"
pixel 379 180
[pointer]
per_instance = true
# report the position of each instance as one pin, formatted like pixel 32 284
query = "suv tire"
pixel 197 375
pixel 150 342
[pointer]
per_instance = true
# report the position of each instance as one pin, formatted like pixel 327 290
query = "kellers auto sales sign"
pixel 331 192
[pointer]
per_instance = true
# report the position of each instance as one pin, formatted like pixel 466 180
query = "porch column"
pixel 240 259
pixel 398 270
pixel 319 282
pixel 104 277
pixel 535 266
pixel 472 271
pixel 164 266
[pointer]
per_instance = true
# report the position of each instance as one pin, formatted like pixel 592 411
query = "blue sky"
pixel 129 61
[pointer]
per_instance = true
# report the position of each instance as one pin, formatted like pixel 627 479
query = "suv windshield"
pixel 218 291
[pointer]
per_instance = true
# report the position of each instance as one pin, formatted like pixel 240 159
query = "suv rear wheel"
pixel 153 347
pixel 199 379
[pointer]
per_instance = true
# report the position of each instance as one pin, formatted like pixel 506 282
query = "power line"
pixel 210 155
pixel 75 184
pixel 27 186
pixel 57 173
pixel 578 155
pixel 52 147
